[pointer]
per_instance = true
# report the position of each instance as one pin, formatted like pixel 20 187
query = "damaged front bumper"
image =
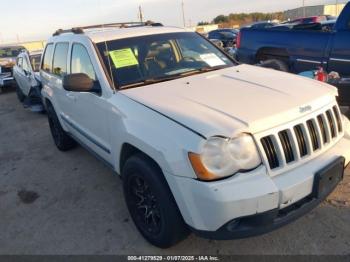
pixel 254 203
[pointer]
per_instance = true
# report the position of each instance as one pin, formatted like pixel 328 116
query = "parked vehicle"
pixel 333 78
pixel 226 36
pixel 201 144
pixel 8 56
pixel 27 75
pixel 260 25
pixel 310 20
pixel 300 50
pixel 331 17
pixel 326 26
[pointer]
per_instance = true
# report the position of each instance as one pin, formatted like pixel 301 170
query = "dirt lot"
pixel 75 204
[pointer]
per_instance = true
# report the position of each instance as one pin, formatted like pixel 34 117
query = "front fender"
pixel 165 141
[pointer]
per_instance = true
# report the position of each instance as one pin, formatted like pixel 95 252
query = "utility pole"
pixel 140 14
pixel 336 7
pixel 183 12
pixel 304 9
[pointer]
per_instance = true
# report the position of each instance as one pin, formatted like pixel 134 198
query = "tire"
pixel 20 94
pixel 275 64
pixel 151 203
pixel 62 140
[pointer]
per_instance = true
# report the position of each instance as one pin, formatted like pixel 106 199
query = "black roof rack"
pixel 80 30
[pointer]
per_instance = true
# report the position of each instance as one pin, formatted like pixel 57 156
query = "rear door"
pixel 64 99
pixel 307 49
pixel 87 110
pixel 339 60
pixel 18 71
pixel 27 75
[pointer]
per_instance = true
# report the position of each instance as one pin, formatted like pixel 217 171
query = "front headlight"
pixel 222 157
pixel 346 123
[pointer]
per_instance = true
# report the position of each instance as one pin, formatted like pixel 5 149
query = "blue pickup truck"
pixel 300 49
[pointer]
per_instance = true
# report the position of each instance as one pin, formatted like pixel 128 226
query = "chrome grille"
pixel 302 140
pixel 287 146
pixel 270 151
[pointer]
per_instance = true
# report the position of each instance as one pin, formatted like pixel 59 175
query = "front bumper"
pixel 8 81
pixel 255 200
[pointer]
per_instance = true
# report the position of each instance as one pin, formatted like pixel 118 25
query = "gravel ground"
pixel 70 203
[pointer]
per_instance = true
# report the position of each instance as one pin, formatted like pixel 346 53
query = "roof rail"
pixel 80 30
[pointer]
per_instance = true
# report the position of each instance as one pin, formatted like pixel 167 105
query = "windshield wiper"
pixel 151 81
pixel 202 70
pixel 172 77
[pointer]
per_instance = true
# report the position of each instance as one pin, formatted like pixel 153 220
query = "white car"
pixel 201 144
pixel 27 76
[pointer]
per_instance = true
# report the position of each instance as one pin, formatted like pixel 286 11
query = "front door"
pixel 88 111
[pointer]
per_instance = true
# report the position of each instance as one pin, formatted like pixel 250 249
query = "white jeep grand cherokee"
pixel 201 144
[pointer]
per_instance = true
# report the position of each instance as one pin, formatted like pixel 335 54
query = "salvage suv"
pixel 202 144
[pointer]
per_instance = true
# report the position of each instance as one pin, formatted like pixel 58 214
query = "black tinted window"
pixel 60 59
pixel 47 61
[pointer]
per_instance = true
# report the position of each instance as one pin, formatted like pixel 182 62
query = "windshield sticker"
pixel 212 60
pixel 123 58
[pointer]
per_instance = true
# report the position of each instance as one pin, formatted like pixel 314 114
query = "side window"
pixel 19 62
pixel 81 62
pixel 47 61
pixel 60 59
pixel 26 66
pixel 35 62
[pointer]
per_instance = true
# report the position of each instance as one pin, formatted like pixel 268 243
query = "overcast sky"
pixel 37 19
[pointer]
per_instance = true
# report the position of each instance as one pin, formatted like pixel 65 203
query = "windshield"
pixel 155 58
pixel 10 51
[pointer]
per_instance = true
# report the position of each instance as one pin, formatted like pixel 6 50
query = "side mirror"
pixel 80 83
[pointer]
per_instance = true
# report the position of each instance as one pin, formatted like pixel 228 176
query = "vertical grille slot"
pixel 287 146
pixel 270 151
pixel 301 140
pixel 331 123
pixel 323 129
pixel 337 117
pixel 313 135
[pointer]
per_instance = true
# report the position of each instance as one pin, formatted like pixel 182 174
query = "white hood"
pixel 237 99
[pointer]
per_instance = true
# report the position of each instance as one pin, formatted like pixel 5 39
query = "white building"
pixel 333 10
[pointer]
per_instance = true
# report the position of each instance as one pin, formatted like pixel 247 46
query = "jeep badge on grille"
pixel 305 109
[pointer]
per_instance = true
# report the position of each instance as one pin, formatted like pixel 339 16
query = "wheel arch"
pixel 128 150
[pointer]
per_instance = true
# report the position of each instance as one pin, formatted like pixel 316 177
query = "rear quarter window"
pixel 47 60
